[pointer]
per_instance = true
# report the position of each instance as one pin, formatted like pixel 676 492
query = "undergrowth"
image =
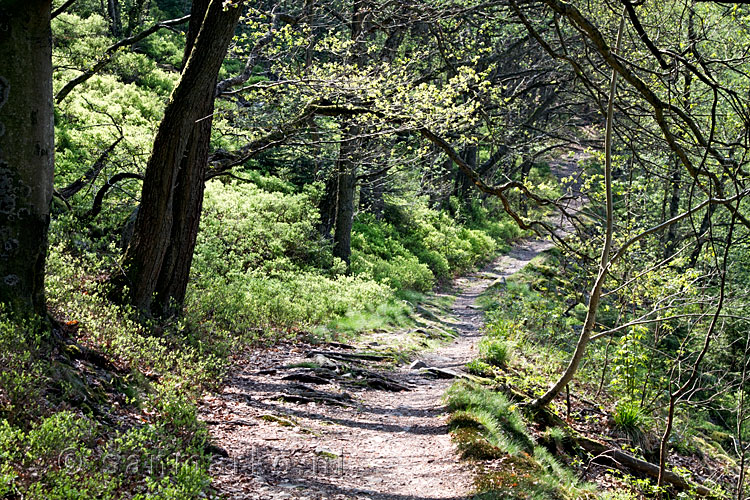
pixel 488 427
pixel 533 322
pixel 261 273
pixel 57 438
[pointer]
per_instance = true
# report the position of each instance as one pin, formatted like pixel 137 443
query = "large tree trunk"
pixel 186 209
pixel 188 194
pixel 26 152
pixel 174 180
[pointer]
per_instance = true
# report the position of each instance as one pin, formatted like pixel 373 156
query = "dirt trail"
pixel 377 445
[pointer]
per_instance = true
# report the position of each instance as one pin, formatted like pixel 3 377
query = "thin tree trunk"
pixel 701 237
pixel 670 238
pixel 674 202
pixel 463 185
pixel 349 147
pixel 26 152
pixel 149 249
pixel 346 173
pixel 371 193
pixel 676 396
pixel 327 206
pixel 115 21
pixel 596 292
pixel 135 16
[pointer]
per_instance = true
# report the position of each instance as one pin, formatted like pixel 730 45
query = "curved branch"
pixel 643 35
pixel 91 174
pixel 99 198
pixel 61 9
pixel 111 51
pixel 500 192
pixel 223 86
pixel 596 291
pixel 659 106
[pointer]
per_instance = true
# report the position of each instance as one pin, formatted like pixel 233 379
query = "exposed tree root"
pixel 606 455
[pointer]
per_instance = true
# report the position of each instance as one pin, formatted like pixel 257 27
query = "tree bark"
pixel 327 205
pixel 350 144
pixel 188 194
pixel 371 193
pixel 115 21
pixel 172 192
pixel 463 186
pixel 135 16
pixel 346 173
pixel 26 152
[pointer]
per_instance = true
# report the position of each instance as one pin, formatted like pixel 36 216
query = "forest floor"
pixel 318 421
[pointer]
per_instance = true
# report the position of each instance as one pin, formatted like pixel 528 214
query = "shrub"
pixel 245 228
pixel 400 272
pixel 23 370
pixel 414 247
pixel 252 302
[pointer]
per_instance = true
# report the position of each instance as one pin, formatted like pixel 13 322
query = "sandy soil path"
pixel 379 444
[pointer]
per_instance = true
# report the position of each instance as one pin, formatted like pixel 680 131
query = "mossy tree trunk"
pixel 26 152
pixel 157 260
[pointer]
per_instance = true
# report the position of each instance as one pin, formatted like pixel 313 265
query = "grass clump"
pixel 480 368
pixel 503 424
pixel 629 418
pixel 494 352
pixel 487 426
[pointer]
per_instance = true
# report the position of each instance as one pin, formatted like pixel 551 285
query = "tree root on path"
pixel 351 356
pixel 377 381
pixel 299 393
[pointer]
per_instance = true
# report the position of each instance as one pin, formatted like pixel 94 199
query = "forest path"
pixel 332 438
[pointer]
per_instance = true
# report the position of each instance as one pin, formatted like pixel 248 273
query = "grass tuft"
pixel 495 352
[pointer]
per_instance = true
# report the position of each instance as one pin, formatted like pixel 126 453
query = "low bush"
pixel 53 443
